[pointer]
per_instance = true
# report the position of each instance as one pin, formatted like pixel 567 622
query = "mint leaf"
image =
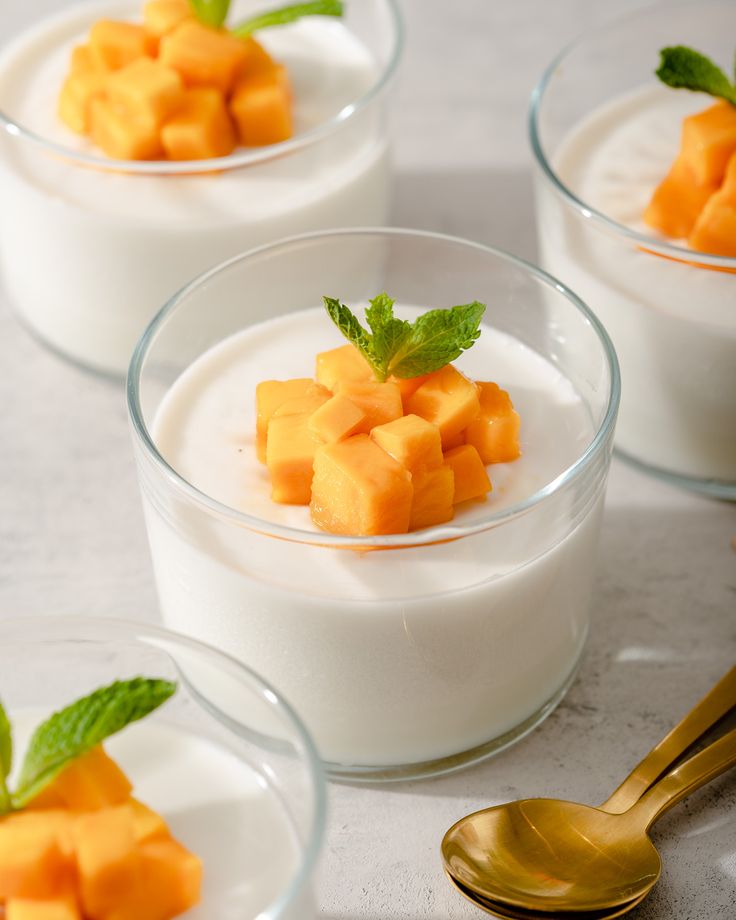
pixel 211 12
pixel 437 338
pixel 683 68
pixel 6 759
pixel 287 14
pixel 83 725
pixel 389 333
pixel 395 346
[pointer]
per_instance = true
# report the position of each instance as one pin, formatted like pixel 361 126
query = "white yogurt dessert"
pixel 91 248
pixel 669 309
pixel 449 641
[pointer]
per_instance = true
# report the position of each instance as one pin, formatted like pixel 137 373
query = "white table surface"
pixel 664 625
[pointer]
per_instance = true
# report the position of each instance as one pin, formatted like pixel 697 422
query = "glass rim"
pixel 247 156
pixel 89 629
pixel 437 534
pixel 653 244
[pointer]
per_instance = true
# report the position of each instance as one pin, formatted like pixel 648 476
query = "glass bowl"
pixel 225 761
pixel 116 237
pixel 668 309
pixel 452 641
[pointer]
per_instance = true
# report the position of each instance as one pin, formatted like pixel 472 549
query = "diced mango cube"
pixel 434 492
pixel 340 365
pixel 261 107
pixel 495 432
pixel 455 441
pixel 379 402
pixel 413 441
pixel 270 394
pixel 108 858
pixel 708 142
pixel 90 782
pixel 75 99
pixel 146 90
pixel 715 228
pixel 83 60
pixel 33 860
pixel 200 129
pixel 677 201
pixel 162 16
pixel 290 451
pixel 359 489
pixel 258 59
pixel 315 396
pixel 115 44
pixel 448 400
pixel 471 476
pixel 57 908
pixel 169 884
pixel 147 823
pixel 120 136
pixel 336 419
pixel 408 385
pixel 204 57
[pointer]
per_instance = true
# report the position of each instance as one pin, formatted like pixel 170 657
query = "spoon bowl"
pixel 551 855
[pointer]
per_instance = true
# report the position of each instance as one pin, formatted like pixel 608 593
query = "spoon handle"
pixel 710 710
pixel 698 770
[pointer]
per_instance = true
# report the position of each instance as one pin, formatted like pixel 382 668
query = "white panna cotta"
pixel 219 808
pixel 88 255
pixel 394 657
pixel 673 324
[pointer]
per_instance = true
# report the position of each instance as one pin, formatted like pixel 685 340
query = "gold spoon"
pixel 516 913
pixel 548 855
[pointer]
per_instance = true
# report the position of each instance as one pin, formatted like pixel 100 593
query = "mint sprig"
pixel 684 68
pixel 287 14
pixel 214 13
pixel 78 728
pixel 403 349
pixel 6 758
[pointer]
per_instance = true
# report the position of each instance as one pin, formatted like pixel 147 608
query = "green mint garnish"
pixel 83 725
pixel 684 68
pixel 404 349
pixel 211 12
pixel 214 13
pixel 287 14
pixel 6 759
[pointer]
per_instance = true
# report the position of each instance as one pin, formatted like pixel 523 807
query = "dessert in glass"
pixel 224 762
pixel 408 653
pixel 117 235
pixel 605 138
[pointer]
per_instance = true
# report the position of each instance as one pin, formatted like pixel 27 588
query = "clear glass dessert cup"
pixel 669 310
pixel 453 641
pixel 116 237
pixel 226 761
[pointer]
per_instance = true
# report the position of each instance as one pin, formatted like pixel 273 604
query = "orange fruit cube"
pixel 677 201
pixel 379 402
pixel 448 400
pixel 715 228
pixel 200 129
pixel 434 492
pixel 336 419
pixel 57 908
pixel 412 441
pixel 495 432
pixel 147 823
pixel 146 90
pixel 708 142
pixel 162 16
pixel 34 860
pixel 120 136
pixel 261 107
pixel 78 91
pixel 91 782
pixel 315 396
pixel 204 57
pixel 339 365
pixel 270 394
pixel 290 451
pixel 471 476
pixel 114 44
pixel 359 489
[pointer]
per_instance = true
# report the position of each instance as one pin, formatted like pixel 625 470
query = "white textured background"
pixel 664 629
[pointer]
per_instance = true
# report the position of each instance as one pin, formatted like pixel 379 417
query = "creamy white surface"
pixel 673 325
pixel 89 255
pixel 390 657
pixel 217 806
